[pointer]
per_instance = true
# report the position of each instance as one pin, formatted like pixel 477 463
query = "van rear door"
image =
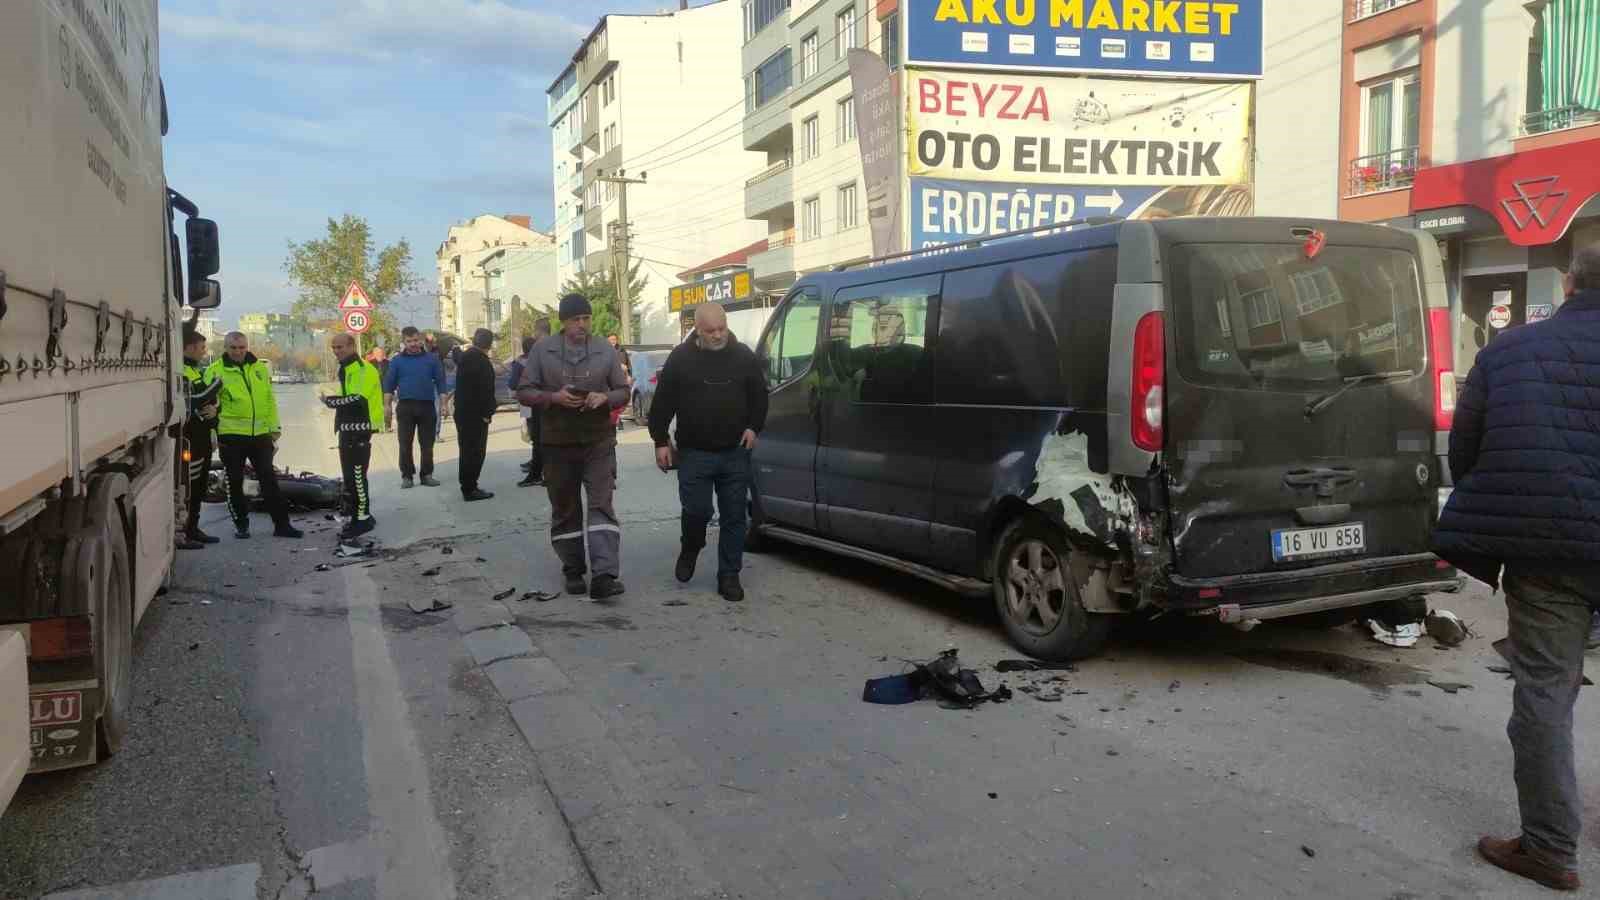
pixel 1299 407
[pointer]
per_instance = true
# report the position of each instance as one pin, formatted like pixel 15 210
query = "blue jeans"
pixel 727 473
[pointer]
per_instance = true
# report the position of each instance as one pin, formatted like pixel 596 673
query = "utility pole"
pixel 619 237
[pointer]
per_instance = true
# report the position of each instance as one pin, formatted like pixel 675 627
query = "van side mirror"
pixel 206 294
pixel 205 254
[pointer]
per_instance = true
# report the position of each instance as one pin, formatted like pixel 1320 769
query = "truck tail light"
pixel 1149 381
pixel 1442 370
pixel 50 640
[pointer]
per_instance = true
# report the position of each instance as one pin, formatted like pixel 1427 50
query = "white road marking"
pixel 227 883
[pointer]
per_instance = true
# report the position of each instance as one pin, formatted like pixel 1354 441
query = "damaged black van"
pixel 1232 417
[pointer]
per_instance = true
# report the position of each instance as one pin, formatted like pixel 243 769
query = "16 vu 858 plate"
pixel 1289 545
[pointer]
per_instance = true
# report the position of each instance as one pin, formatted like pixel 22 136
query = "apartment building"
pixel 1477 121
pixel 636 99
pixel 485 262
pixel 287 333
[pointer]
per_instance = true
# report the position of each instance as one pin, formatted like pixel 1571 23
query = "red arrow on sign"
pixel 355 298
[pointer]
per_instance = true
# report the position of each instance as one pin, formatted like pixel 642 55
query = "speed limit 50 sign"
pixel 356 321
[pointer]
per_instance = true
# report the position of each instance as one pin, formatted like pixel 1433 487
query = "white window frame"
pixel 811 218
pixel 844 31
pixel 1397 82
pixel 810 138
pixel 849 202
pixel 845 119
pixel 810 55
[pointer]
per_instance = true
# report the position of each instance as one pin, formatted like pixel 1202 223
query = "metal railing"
pixel 1559 118
pixel 784 240
pixel 781 165
pixel 1383 171
pixel 1361 9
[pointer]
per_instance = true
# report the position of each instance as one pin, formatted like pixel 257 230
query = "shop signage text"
pixel 726 289
pixel 945 211
pixel 1203 38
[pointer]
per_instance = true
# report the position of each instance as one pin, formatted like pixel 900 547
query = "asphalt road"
pixel 304 732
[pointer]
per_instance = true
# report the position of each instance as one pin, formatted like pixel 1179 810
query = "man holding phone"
pixel 572 382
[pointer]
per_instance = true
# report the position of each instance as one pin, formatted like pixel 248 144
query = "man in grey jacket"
pixel 572 381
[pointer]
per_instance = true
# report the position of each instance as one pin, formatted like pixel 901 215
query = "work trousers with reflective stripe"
pixel 570 472
pixel 199 470
pixel 355 457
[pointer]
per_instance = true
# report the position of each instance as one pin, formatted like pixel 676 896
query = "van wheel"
pixel 1038 597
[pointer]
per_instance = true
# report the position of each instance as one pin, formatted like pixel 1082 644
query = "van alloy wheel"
pixel 1036 588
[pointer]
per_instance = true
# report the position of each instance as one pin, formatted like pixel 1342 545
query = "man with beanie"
pixel 358 412
pixel 574 380
pixel 474 410
pixel 197 431
pixel 714 386
pixel 1525 454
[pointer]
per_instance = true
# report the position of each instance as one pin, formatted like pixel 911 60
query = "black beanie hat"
pixel 574 305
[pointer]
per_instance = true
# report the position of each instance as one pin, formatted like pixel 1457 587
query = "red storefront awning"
pixel 1534 195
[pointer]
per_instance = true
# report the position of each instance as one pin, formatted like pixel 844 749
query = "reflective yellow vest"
pixel 246 405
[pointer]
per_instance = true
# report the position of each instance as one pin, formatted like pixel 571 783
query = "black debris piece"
pixel 195 646
pixel 1048 696
pixel 429 573
pixel 428 604
pixel 1587 682
pixel 481 559
pixel 942 678
pixel 1112 753
pixel 1173 687
pixel 993 796
pixel 674 602
pixel 1451 687
pixel 1028 665
pixel 1500 670
pixel 321 567
pixel 328 516
pixel 504 594
pixel 1308 851
pixel 447 550
pixel 539 596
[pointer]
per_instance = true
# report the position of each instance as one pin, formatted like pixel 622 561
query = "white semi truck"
pixel 92 399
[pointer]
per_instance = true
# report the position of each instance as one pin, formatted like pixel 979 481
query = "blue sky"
pixel 412 113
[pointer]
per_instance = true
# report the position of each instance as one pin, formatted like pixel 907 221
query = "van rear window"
pixel 1263 315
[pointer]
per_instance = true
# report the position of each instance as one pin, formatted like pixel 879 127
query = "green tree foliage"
pixel 600 288
pixel 322 268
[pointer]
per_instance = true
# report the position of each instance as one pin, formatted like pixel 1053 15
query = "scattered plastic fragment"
pixel 1405 635
pixel 1029 665
pixel 1308 851
pixel 1447 628
pixel 429 573
pixel 1450 687
pixel 539 596
pixel 504 594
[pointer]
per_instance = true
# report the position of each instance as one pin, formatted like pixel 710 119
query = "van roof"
pixel 1143 236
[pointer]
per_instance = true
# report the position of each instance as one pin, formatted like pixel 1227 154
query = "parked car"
pixel 1236 418
pixel 646 372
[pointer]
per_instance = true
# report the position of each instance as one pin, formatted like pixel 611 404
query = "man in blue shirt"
pixel 414 378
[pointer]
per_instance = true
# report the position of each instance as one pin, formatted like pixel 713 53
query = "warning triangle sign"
pixel 355 298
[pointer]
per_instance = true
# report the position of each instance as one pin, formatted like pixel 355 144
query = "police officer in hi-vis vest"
pixel 357 413
pixel 197 431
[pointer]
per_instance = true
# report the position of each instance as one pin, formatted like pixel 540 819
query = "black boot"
pixel 692 539
pixel 605 586
pixel 730 588
pixel 577 585
pixel 684 571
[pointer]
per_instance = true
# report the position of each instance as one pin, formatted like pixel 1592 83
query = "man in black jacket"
pixel 475 404
pixel 1525 453
pixel 713 385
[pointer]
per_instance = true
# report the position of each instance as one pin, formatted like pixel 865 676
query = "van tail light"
pixel 50 640
pixel 1442 370
pixel 654 377
pixel 1149 381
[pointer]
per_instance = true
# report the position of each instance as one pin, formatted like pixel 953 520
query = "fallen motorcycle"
pixel 302 492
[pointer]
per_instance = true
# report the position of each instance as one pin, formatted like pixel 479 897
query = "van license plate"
pixel 1310 543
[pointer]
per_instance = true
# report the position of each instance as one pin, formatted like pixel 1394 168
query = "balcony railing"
pixel 1383 171
pixel 1556 119
pixel 1361 9
pixel 783 240
pixel 781 165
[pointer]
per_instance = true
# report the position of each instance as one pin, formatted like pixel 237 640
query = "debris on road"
pixel 322 567
pixel 1308 851
pixel 1450 687
pixel 447 550
pixel 675 601
pixel 352 551
pixel 942 678
pixel 205 602
pixel 1173 687
pixel 1500 670
pixel 1447 628
pixel 428 604
pixel 538 596
pixel 429 573
pixel 1402 636
pixel 1029 665
pixel 504 594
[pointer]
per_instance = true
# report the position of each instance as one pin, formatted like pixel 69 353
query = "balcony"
pixel 1559 119
pixel 1389 171
pixel 767 127
pixel 771 190
pixel 1365 9
pixel 774 267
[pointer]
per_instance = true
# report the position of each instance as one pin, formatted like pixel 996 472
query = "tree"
pixel 600 288
pixel 322 268
pixel 520 325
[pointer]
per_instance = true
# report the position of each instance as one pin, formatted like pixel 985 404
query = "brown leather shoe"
pixel 1507 853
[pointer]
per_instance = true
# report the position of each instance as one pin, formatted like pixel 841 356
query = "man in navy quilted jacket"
pixel 1525 453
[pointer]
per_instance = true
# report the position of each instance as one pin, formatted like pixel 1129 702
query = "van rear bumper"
pixel 1276 595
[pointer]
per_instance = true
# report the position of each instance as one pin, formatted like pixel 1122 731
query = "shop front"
pixel 747 308
pixel 1507 226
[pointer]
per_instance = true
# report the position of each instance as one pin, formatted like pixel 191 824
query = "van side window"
pixel 878 341
pixel 1030 332
pixel 790 344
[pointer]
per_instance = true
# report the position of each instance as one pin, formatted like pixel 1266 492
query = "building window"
pixel 769 80
pixel 606 89
pixel 845 124
pixel 609 140
pixel 848 216
pixel 810 56
pixel 1391 130
pixel 810 139
pixel 611 191
pixel 891 40
pixel 1563 70
pixel 594 193
pixel 758 14
pixel 811 219
pixel 844 32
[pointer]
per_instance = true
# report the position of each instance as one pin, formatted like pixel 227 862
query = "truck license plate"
pixel 1309 543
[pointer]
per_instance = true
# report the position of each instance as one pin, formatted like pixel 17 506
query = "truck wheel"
pixel 111 602
pixel 1037 596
